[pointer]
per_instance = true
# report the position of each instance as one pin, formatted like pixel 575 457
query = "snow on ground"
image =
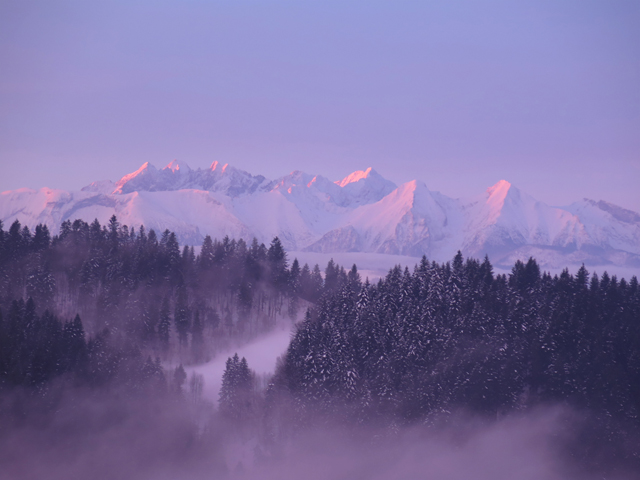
pixel 362 212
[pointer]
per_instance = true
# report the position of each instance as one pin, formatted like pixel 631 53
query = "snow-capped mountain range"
pixel 361 213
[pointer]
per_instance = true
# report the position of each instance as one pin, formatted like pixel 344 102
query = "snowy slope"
pixel 407 221
pixel 505 217
pixel 361 213
pixel 606 223
pixel 218 178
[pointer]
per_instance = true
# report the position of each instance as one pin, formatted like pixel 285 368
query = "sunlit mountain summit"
pixel 362 212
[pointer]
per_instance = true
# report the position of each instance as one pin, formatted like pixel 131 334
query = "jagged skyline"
pixel 362 213
pixel 543 95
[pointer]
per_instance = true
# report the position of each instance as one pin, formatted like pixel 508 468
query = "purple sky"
pixel 545 94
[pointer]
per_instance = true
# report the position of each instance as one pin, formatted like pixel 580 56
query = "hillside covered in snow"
pixel 363 212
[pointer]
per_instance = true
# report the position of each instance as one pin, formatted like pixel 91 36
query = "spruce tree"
pixel 164 324
pixel 181 315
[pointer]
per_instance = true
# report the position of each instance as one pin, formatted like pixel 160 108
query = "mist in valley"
pixel 225 317
pixel 145 438
pixel 125 355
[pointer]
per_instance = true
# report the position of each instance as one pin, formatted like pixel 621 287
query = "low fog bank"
pixel 93 381
pixel 261 354
pixel 107 435
pixel 78 433
pixel 533 446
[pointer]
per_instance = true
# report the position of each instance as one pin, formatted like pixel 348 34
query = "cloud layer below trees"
pixel 261 354
pixel 522 447
pixel 532 446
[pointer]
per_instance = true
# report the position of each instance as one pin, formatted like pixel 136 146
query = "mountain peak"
pixel 145 170
pixel 365 186
pixel 617 212
pixel 504 191
pixel 174 166
pixel 356 176
pixel 501 188
pixel 145 167
pixel 362 212
pixel 216 166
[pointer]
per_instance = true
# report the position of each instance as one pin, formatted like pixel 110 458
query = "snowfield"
pixel 362 213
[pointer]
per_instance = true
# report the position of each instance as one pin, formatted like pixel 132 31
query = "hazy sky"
pixel 459 94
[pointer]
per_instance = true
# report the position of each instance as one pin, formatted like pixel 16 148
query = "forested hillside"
pixel 91 319
pixel 417 346
pixel 148 289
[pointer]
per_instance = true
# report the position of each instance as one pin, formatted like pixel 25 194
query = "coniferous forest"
pixel 418 345
pixel 98 322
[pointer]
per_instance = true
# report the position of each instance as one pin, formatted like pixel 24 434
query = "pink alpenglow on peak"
pixel 145 170
pixel 364 213
pixel 501 188
pixel 145 167
pixel 217 166
pixel 497 194
pixel 313 180
pixel 174 166
pixel 363 187
pixel 355 177
pixel 504 193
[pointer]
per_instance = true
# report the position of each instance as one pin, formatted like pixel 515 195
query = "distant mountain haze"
pixel 363 212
